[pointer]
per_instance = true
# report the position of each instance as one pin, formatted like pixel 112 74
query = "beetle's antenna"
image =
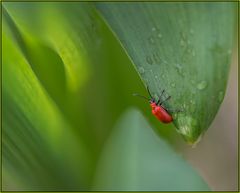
pixel 165 100
pixel 149 92
pixel 136 94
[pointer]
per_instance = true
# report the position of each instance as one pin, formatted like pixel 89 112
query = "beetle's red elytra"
pixel 160 113
pixel 158 110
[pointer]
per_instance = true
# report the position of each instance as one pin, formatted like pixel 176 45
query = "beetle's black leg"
pixel 159 100
pixel 162 92
pixel 165 100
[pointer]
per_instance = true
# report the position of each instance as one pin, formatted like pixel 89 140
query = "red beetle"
pixel 160 112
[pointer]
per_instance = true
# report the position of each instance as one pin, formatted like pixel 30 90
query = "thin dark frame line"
pixel 117 1
pixel 1 100
pixel 9 1
pixel 118 191
pixel 238 22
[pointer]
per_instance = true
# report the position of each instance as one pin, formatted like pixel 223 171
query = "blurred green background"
pixel 66 84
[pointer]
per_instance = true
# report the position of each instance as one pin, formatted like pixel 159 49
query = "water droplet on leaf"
pixel 141 70
pixel 151 40
pixel 187 127
pixel 179 69
pixel 160 35
pixel 202 85
pixel 149 60
pixel 178 66
pixel 153 29
pixel 156 57
pixel 182 43
pixel 173 85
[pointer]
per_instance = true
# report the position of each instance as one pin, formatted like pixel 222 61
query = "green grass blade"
pixel 135 159
pixel 58 51
pixel 72 36
pixel 40 148
pixel 184 48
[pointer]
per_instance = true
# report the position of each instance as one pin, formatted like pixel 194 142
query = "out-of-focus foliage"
pixel 66 80
pixel 62 77
pixel 135 159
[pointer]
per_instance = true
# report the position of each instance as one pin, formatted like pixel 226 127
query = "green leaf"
pixel 60 84
pixel 135 159
pixel 36 137
pixel 42 147
pixel 184 48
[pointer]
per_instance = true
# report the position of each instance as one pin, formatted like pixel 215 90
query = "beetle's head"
pixel 152 100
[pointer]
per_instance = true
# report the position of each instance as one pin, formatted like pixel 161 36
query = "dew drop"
pixel 163 76
pixel 220 96
pixel 173 85
pixel 156 76
pixel 179 69
pixel 149 60
pixel 178 66
pixel 151 40
pixel 153 29
pixel 182 43
pixel 159 35
pixel 202 85
pixel 187 127
pixel 141 70
pixel 156 57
